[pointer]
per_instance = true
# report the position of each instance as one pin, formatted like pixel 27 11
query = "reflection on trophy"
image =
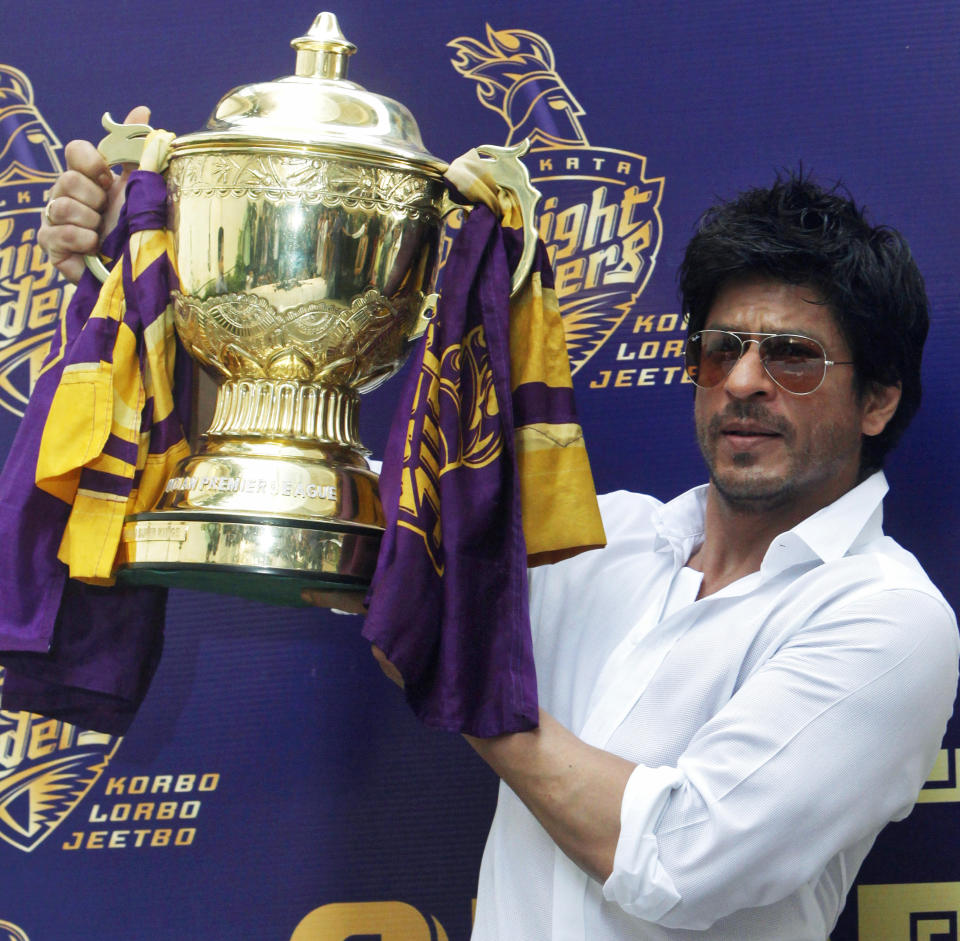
pixel 307 220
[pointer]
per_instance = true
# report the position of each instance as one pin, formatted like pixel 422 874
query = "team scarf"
pixel 485 472
pixel 100 436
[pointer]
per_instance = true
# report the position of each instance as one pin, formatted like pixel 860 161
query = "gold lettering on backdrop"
pixel 145 812
pixel 610 233
pixel 33 295
pixel 640 345
pixel 161 838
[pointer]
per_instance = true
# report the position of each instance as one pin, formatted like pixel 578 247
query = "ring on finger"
pixel 46 213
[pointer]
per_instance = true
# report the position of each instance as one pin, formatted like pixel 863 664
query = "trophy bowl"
pixel 306 218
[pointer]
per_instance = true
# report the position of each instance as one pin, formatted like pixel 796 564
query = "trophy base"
pixel 259 558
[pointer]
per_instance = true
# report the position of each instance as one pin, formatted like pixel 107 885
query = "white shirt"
pixel 777 725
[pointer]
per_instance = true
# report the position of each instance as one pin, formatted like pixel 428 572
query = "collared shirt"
pixel 777 725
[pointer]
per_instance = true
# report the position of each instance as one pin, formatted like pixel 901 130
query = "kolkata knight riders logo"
pixel 32 292
pixel 600 216
pixel 46 768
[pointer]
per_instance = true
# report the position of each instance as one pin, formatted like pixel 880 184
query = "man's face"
pixel 765 447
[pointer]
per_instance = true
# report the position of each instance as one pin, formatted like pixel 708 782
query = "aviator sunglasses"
pixel 795 363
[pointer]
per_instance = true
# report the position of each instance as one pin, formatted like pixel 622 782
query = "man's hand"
pixel 84 204
pixel 389 670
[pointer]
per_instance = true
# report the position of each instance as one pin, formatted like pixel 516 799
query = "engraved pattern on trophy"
pixel 285 310
pixel 243 335
pixel 309 242
pixel 306 179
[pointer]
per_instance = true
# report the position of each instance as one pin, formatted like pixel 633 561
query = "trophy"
pixel 307 220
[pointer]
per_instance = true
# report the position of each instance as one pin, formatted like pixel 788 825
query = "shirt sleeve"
pixel 639 883
pixel 828 740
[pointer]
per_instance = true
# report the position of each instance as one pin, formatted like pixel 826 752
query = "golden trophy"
pixel 307 219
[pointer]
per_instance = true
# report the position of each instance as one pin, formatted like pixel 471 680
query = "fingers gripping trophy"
pixel 306 219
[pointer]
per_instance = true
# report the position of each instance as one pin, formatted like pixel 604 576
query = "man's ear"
pixel 879 404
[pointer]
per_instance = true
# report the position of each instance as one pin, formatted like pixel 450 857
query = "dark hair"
pixel 799 233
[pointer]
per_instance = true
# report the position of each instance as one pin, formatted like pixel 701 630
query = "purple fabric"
pixel 461 639
pixel 538 402
pixel 105 482
pixel 166 432
pixel 120 449
pixel 31 520
pixel 73 651
pixel 96 342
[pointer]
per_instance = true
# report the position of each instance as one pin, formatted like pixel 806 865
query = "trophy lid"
pixel 316 109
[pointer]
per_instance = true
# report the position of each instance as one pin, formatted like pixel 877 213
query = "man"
pixel 750 681
pixel 758 679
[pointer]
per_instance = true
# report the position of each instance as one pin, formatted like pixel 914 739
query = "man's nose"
pixel 748 376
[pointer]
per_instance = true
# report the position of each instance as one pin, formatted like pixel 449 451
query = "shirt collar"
pixel 828 534
pixel 832 532
pixel 679 524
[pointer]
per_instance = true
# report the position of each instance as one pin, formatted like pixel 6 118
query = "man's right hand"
pixel 84 204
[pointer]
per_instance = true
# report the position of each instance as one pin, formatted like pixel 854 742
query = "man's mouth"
pixel 744 427
pixel 744 431
pixel 748 434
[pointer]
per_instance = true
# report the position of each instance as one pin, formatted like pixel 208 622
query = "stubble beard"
pixel 752 493
pixel 764 490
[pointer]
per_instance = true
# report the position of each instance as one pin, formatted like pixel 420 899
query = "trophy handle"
pixel 507 172
pixel 124 143
pixel 513 175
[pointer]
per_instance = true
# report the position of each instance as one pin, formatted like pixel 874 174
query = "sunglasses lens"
pixel 796 363
pixel 710 355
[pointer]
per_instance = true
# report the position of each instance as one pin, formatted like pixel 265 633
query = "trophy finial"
pixel 323 52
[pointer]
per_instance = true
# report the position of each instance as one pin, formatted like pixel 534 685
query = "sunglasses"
pixel 795 363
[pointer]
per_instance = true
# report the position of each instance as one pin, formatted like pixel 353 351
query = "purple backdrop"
pixel 274 779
